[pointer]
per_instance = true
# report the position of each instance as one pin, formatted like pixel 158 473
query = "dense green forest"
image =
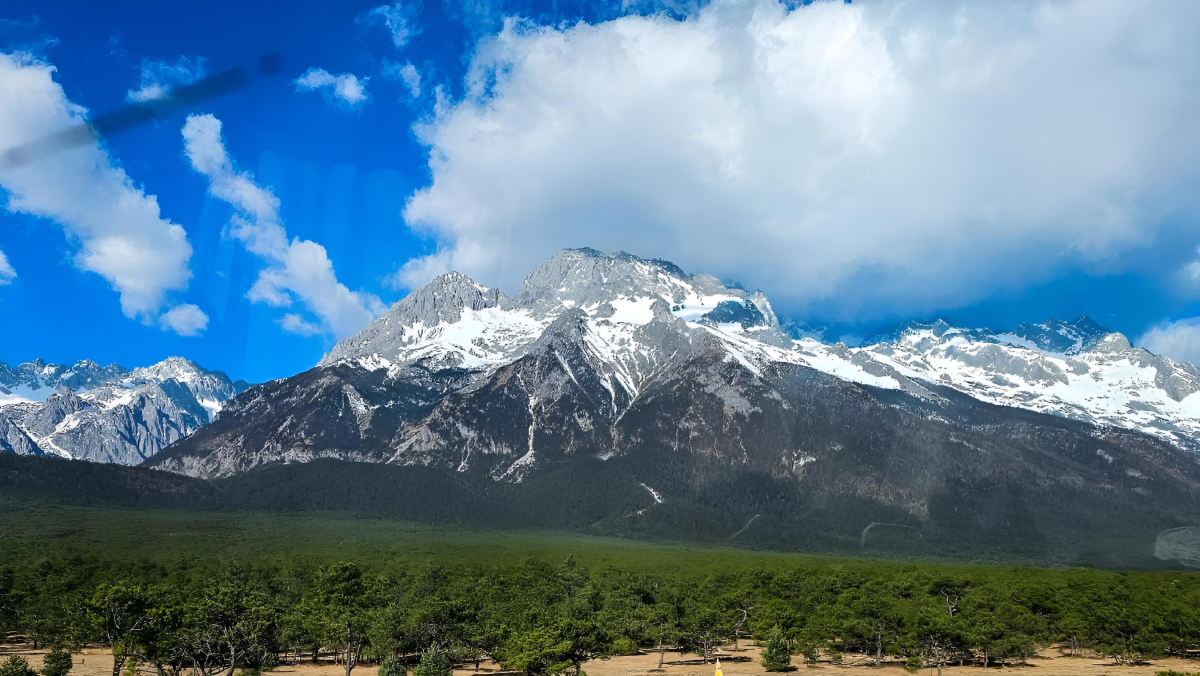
pixel 549 617
pixel 142 562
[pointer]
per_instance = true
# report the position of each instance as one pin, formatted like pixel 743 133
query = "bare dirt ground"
pixel 743 662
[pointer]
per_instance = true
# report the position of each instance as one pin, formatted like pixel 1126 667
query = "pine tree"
pixel 777 656
pixel 16 666
pixel 57 663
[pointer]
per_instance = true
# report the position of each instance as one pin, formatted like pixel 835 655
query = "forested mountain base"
pixel 976 522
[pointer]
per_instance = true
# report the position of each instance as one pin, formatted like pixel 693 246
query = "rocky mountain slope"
pixel 699 410
pixel 106 414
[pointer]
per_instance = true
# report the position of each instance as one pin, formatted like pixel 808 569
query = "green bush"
pixel 434 662
pixel 391 666
pixel 16 666
pixel 778 655
pixel 624 646
pixel 57 663
pixel 913 664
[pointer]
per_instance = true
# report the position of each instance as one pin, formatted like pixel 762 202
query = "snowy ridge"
pixel 639 315
pixel 106 414
pixel 1100 379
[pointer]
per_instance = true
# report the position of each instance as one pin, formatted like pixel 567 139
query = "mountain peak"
pixel 1069 337
pixel 443 300
pixel 440 302
pixel 585 277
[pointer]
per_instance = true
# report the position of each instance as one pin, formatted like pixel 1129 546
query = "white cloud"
pixel 406 73
pixel 119 231
pixel 400 19
pixel 1179 340
pixel 296 269
pixel 186 320
pixel 345 89
pixel 294 323
pixel 7 273
pixel 886 158
pixel 158 77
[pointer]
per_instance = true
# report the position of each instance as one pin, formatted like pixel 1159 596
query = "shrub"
pixel 16 666
pixel 624 646
pixel 391 666
pixel 778 655
pixel 810 649
pixel 434 662
pixel 57 663
pixel 913 664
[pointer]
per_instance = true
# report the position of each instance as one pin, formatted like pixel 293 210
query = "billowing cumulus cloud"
pixel 882 158
pixel 1179 340
pixel 117 228
pixel 186 320
pixel 345 89
pixel 7 273
pixel 158 77
pixel 295 269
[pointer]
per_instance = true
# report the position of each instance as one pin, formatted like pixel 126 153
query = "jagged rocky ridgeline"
pixel 106 413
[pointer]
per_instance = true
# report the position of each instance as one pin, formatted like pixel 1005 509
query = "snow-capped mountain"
pixel 669 400
pixel 1075 369
pixel 665 404
pixel 630 306
pixel 36 380
pixel 631 322
pixel 106 414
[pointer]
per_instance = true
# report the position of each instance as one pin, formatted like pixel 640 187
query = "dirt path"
pixel 745 662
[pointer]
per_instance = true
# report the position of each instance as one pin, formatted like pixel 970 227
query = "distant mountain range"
pixel 672 403
pixel 106 413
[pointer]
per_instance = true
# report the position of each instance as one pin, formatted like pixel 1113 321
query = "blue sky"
pixel 862 164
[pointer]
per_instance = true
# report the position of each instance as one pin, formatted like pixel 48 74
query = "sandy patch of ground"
pixel 744 662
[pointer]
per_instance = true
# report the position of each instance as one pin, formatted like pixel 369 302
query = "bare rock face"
pixel 106 414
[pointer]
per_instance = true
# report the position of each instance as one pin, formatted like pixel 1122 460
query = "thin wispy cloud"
pixel 25 35
pixel 116 227
pixel 7 273
pixel 297 270
pixel 158 77
pixel 344 89
pixel 400 20
pixel 405 73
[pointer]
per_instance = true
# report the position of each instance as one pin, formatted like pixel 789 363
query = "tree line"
pixel 551 618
